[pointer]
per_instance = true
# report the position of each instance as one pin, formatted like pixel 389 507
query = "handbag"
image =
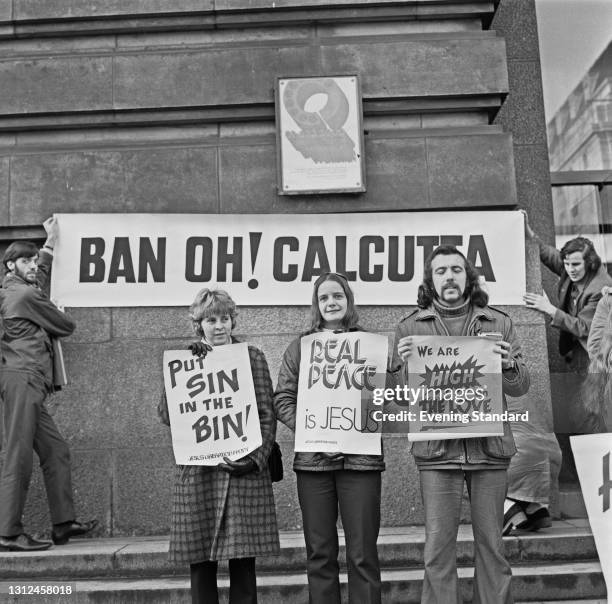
pixel 275 463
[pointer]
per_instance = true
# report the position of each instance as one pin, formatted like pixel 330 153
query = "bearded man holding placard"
pixel 451 303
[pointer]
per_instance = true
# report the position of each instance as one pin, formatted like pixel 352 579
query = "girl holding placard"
pixel 225 512
pixel 328 481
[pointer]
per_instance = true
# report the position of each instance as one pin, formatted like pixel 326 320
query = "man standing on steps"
pixel 581 279
pixel 30 325
pixel 451 303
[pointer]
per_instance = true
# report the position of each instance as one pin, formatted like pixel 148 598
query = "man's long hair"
pixel 473 291
pixel 585 246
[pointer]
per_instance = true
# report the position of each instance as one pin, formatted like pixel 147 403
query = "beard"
pixel 456 294
pixel 28 276
pixel 452 286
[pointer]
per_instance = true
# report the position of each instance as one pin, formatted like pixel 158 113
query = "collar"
pixel 566 283
pixel 452 311
pixel 13 279
pixel 425 314
pixel 355 328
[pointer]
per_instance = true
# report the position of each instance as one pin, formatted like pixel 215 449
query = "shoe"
pixel 515 517
pixel 62 532
pixel 23 543
pixel 539 519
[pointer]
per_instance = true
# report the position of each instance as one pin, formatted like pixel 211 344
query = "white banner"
pixel 211 404
pixel 338 376
pixel 593 455
pixel 272 259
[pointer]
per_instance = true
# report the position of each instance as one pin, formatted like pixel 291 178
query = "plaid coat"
pixel 216 516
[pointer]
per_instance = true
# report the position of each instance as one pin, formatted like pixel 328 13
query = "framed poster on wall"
pixel 319 135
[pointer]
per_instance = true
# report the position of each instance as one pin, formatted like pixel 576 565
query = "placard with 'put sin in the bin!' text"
pixel 211 404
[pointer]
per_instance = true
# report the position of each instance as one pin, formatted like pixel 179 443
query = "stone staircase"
pixel 553 565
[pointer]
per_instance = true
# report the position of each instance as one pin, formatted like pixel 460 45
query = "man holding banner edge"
pixel 452 303
pixel 30 371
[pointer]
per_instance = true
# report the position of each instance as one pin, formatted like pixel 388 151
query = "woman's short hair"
pixel 351 317
pixel 19 249
pixel 585 246
pixel 208 303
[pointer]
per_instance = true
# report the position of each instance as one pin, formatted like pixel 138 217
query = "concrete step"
pixel 566 541
pixel 534 583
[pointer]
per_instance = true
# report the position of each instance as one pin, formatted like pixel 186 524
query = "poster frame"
pixel 355 109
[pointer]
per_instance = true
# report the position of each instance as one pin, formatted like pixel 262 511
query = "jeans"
pixel 358 496
pixel 29 428
pixel 442 492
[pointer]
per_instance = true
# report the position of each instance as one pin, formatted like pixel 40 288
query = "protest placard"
pixel 338 375
pixel 593 456
pixel 452 389
pixel 211 404
pixel 273 259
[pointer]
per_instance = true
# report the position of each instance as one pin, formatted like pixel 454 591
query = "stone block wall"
pixel 159 106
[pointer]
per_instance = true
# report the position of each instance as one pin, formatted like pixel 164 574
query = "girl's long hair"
pixel 350 319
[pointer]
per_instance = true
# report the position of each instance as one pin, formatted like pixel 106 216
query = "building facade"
pixel 168 107
pixel 580 141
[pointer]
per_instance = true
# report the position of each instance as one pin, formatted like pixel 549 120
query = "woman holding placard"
pixel 326 481
pixel 225 512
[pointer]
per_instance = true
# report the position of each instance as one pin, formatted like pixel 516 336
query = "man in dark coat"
pixel 30 325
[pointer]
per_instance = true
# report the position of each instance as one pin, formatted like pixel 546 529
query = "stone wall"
pixel 159 106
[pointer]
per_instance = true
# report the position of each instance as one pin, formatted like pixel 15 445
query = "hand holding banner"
pixel 211 404
pixel 338 375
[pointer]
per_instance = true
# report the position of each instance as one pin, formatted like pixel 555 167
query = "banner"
pixel 211 404
pixel 271 259
pixel 593 453
pixel 453 390
pixel 338 375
